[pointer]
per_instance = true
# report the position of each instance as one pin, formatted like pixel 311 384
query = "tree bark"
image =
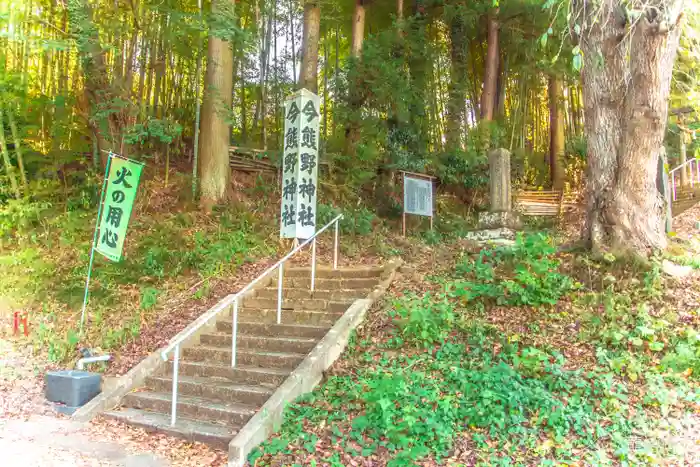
pixel 488 95
pixel 216 110
pixel 458 83
pixel 626 108
pixel 9 168
pixel 352 132
pixel 18 149
pixel 308 78
pixel 556 134
pixel 358 28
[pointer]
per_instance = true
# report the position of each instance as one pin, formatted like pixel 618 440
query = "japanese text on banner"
pixel 122 183
pixel 300 166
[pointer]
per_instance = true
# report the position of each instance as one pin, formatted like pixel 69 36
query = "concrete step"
pixel 215 435
pixel 259 358
pixel 269 316
pixel 334 295
pixel 274 330
pixel 330 284
pixel 272 344
pixel 310 304
pixel 213 389
pixel 330 273
pixel 253 375
pixel 193 408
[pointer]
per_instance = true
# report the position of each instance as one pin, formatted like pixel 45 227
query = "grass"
pixel 168 249
pixel 458 377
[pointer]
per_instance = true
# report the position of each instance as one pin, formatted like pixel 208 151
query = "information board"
pixel 417 196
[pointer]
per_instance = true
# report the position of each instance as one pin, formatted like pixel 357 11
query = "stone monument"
pixel 500 214
pixel 498 223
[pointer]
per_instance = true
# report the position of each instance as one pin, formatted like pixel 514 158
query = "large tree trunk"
pixel 216 109
pixel 626 108
pixel 456 105
pixel 308 77
pixel 556 134
pixel 418 70
pixel 488 95
pixel 352 132
pixel 358 28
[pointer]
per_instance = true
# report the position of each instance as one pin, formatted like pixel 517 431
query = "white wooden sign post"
pixel 417 196
pixel 300 165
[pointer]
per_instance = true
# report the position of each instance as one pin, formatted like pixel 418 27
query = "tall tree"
pixel 627 66
pixel 216 105
pixel 488 95
pixel 556 133
pixel 308 77
pixel 456 104
pixel 357 87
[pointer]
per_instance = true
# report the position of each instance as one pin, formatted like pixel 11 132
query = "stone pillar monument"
pixel 500 213
pixel 499 180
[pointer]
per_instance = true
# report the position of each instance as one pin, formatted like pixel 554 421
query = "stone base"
pixel 500 236
pixel 65 409
pixel 496 220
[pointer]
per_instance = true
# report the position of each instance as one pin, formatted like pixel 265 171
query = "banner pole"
pixel 94 241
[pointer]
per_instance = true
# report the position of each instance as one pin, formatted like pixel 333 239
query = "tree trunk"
pixel 488 96
pixel 9 168
pixel 626 108
pixel 308 78
pixel 358 28
pixel 458 83
pixel 418 69
pixel 556 134
pixel 352 132
pixel 501 85
pixel 216 109
pixel 18 149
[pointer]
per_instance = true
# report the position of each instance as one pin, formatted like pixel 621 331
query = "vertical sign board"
pixel 300 165
pixel 120 192
pixel 417 196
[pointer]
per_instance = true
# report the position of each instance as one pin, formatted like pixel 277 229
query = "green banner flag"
pixel 122 183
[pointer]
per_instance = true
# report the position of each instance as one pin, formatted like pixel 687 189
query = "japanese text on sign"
pixel 122 183
pixel 300 165
pixel 417 196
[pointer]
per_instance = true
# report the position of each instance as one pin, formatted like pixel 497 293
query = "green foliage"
pixel 149 298
pixel 355 221
pixel 507 402
pixel 633 342
pixel 424 321
pixel 156 130
pixel 526 274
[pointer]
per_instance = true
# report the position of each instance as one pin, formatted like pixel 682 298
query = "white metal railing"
pixel 694 175
pixel 232 300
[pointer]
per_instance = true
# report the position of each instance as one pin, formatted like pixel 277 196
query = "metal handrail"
pixel 234 298
pixel 689 163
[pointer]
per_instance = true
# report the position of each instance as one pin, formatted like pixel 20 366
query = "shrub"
pixel 527 274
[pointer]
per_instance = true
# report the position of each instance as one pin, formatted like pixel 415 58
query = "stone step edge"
pixel 306 375
pixel 191 430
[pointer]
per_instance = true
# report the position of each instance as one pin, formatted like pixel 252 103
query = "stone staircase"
pixel 686 198
pixel 215 400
